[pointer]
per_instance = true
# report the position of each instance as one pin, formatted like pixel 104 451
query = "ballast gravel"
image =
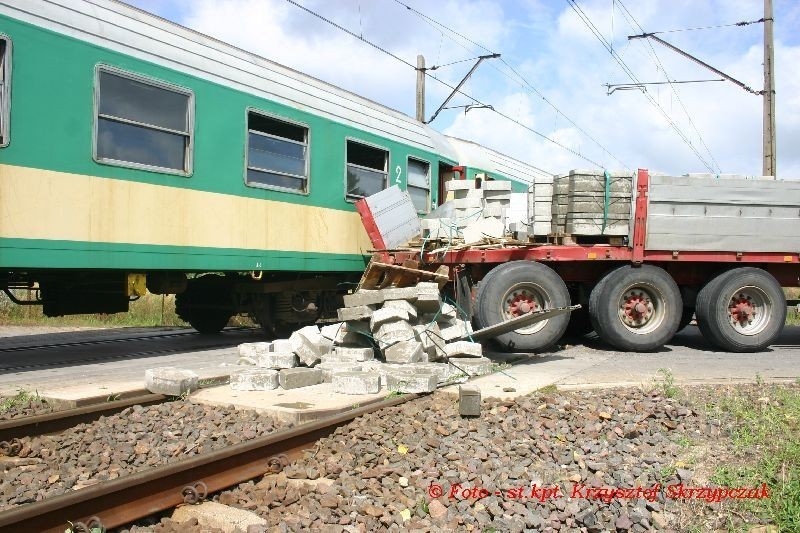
pixel 18 407
pixel 395 469
pixel 137 438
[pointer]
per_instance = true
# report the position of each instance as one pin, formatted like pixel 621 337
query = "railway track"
pixel 47 355
pixel 130 498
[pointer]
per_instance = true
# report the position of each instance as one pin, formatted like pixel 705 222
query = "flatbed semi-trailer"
pixel 634 297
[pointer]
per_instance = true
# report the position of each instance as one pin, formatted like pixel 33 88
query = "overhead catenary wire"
pixel 626 13
pixel 439 80
pixel 740 24
pixel 521 80
pixel 627 70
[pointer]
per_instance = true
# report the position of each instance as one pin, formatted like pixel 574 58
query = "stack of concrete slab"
pixel 478 211
pixel 540 205
pixel 587 202
pixel 408 327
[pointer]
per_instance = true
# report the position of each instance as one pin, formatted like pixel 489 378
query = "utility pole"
pixel 770 145
pixel 421 88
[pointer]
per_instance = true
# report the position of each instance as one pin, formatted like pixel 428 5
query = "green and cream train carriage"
pixel 135 152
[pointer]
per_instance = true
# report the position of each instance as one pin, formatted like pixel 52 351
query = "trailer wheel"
pixel 516 288
pixel 205 304
pixel 686 318
pixel 636 308
pixel 741 310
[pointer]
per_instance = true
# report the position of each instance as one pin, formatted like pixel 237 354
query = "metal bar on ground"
pixel 519 322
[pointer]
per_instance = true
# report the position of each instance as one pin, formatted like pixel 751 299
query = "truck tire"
pixel 741 310
pixel 515 288
pixel 636 308
pixel 686 318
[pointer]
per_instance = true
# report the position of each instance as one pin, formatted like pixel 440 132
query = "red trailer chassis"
pixel 585 263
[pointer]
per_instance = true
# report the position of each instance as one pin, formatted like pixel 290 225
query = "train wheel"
pixel 206 303
pixel 516 288
pixel 636 308
pixel 741 310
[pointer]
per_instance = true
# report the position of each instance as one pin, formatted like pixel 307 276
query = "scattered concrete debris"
pixel 292 378
pixel 170 381
pixel 469 400
pixel 356 382
pixel 254 379
pixel 412 382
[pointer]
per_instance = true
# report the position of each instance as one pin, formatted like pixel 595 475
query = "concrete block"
pixel 307 350
pixel 412 383
pixel 431 338
pixel 392 333
pixel 252 349
pixel 464 349
pixel 448 313
pixel 354 333
pixel 254 379
pixel 495 211
pixel 281 345
pixel 277 360
pixel 443 371
pixel 466 215
pixel 325 345
pixel 213 516
pixel 363 297
pixel 359 312
pixel 354 353
pixel 469 400
pixel 331 368
pixel 457 331
pixel 403 305
pixel 429 298
pixel 386 316
pixel 472 366
pixel 496 185
pixel 170 381
pixel 409 351
pixel 356 383
pixel 468 202
pixel 404 293
pixel 484 227
pixel 293 378
pixel 494 196
pixel 459 185
pixel 331 330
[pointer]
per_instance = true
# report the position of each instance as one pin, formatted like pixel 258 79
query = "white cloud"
pixel 549 44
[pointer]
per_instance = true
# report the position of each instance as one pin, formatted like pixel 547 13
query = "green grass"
pixel 148 311
pixel 768 433
pixel 21 398
pixel 667 383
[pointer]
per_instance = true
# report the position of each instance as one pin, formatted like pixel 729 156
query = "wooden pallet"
pixel 569 239
pixel 382 275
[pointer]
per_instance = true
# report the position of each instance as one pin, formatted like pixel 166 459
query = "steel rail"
pixel 31 426
pixel 136 496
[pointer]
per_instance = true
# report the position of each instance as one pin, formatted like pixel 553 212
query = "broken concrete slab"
pixel 359 312
pixel 363 297
pixel 354 353
pixel 400 293
pixel 282 345
pixel 476 230
pixel 277 360
pixel 403 305
pixel 457 331
pixel 170 381
pixel 412 382
pixel 392 333
pixel 356 382
pixel 218 517
pixel 330 331
pixel 429 298
pixel 431 338
pixel 293 378
pixel 408 351
pixel 307 350
pixel 354 333
pixel 254 349
pixel 472 366
pixel 464 349
pixel 331 368
pixel 254 379
pixel 387 315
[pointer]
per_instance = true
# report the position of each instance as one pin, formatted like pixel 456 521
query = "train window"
pixel 419 184
pixel 277 153
pixel 5 88
pixel 366 169
pixel 143 123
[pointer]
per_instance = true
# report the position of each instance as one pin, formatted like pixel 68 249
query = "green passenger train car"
pixel 135 153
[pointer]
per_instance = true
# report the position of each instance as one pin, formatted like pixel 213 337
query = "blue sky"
pixel 695 128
